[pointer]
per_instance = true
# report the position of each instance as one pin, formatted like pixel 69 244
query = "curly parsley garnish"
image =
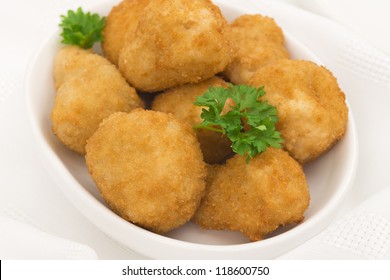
pixel 81 29
pixel 250 124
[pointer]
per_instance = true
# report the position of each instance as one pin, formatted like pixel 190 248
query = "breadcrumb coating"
pixel 121 23
pixel 90 89
pixel 312 111
pixel 72 59
pixel 178 101
pixel 259 41
pixel 176 42
pixel 254 198
pixel 148 167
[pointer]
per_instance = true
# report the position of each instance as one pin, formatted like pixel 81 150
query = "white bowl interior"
pixel 329 177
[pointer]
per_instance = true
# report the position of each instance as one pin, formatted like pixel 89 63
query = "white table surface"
pixel 367 18
pixel 25 188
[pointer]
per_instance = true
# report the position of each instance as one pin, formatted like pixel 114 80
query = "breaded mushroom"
pixel 179 101
pixel 312 111
pixel 176 42
pixel 71 59
pixel 121 22
pixel 254 198
pixel 259 41
pixel 87 95
pixel 148 167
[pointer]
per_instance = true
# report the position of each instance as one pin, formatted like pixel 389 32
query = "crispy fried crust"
pixel 148 167
pixel 312 111
pixel 254 198
pixel 178 101
pixel 259 41
pixel 121 22
pixel 89 91
pixel 176 42
pixel 71 59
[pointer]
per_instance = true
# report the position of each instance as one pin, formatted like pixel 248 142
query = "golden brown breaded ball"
pixel 255 198
pixel 259 41
pixel 85 99
pixel 176 42
pixel 71 59
pixel 312 111
pixel 178 101
pixel 148 167
pixel 120 23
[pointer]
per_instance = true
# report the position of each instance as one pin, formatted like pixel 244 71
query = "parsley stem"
pixel 199 126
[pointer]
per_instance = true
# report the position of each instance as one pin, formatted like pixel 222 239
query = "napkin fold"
pixel 374 12
pixel 363 233
pixel 20 238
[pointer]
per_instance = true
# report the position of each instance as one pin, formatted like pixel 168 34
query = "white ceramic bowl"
pixel 329 177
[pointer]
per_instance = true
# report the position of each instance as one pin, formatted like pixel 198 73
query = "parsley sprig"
pixel 250 124
pixel 82 29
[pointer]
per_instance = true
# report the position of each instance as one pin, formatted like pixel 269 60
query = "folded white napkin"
pixel 374 13
pixel 364 233
pixel 23 240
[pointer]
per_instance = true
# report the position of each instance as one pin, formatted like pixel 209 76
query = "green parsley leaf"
pixel 249 124
pixel 81 29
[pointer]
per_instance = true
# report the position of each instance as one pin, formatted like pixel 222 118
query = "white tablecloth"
pixel 27 193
